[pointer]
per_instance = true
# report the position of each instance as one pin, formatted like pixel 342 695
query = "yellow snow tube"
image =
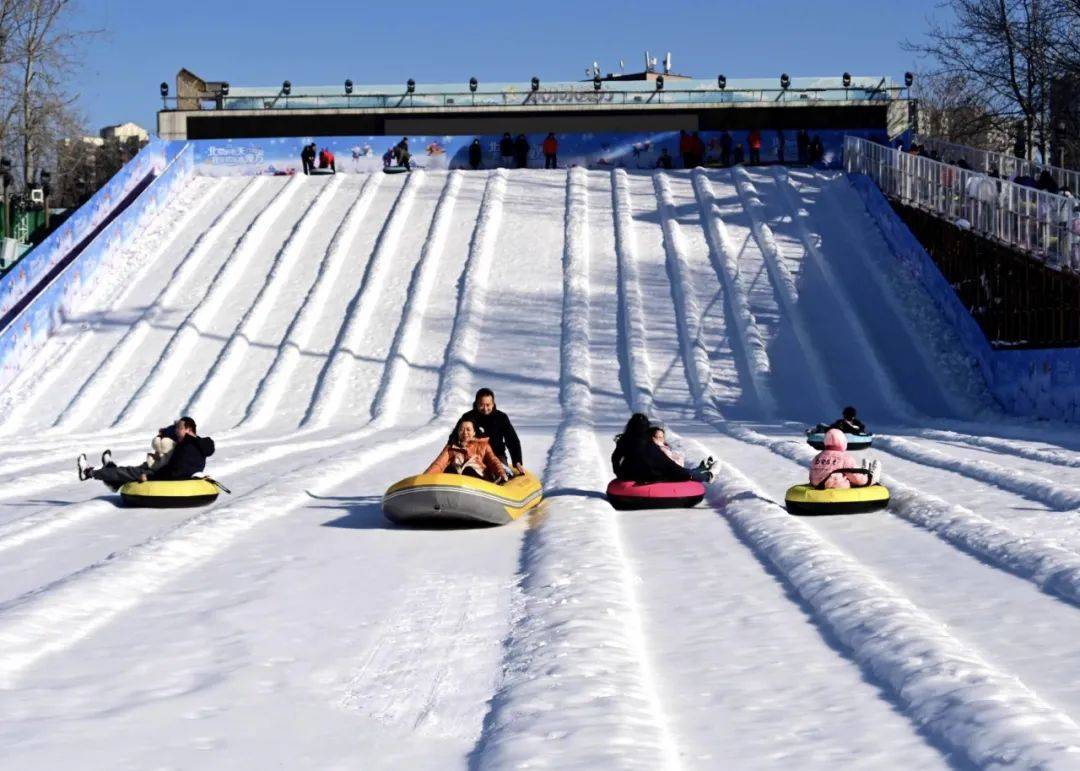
pixel 456 498
pixel 177 493
pixel 806 499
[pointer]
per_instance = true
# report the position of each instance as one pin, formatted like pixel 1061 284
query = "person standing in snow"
pixel 833 468
pixel 307 158
pixel 476 155
pixel 780 140
pixel 725 148
pixel 664 161
pixel 686 150
pixel 494 425
pixel 802 145
pixel 521 151
pixel 187 459
pixel 551 149
pixel 506 150
pixel 753 140
pixel 401 151
pixel 697 149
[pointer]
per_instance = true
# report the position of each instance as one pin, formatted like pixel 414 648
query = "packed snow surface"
pixel 327 331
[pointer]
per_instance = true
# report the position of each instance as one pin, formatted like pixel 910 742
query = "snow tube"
pixel 806 499
pixel 169 494
pixel 456 498
pixel 394 169
pixel 623 494
pixel 855 442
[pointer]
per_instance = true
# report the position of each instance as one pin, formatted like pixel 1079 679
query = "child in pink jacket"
pixel 835 457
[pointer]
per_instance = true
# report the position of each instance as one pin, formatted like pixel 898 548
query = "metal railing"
pixel 1044 225
pixel 542 97
pixel 1001 164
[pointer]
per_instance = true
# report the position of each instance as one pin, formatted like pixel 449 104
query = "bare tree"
pixel 953 109
pixel 1005 50
pixel 43 48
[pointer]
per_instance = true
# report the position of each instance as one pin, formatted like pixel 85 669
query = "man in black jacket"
pixel 494 425
pixel 506 150
pixel 850 424
pixel 188 458
pixel 307 158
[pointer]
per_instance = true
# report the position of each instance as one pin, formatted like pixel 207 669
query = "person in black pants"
pixel 307 158
pixel 188 458
pixel 506 150
pixel 476 155
pixel 495 426
pixel 725 148
pixel 521 152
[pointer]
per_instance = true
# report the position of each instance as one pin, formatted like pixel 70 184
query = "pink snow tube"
pixel 623 494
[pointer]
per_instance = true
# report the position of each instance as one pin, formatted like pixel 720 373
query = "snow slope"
pixel 328 330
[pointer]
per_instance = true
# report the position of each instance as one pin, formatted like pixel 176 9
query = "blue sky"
pixel 263 43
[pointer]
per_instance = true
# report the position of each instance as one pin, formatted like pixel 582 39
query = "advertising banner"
pixel 29 272
pixel 66 293
pixel 364 154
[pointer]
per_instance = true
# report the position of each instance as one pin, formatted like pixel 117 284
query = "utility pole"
pixel 6 180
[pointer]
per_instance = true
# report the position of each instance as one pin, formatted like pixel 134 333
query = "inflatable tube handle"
pixel 864 471
pixel 218 485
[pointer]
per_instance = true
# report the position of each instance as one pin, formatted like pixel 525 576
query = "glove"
pixel 701 475
pixel 874 469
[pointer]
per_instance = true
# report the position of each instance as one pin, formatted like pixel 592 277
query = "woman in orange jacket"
pixel 468 456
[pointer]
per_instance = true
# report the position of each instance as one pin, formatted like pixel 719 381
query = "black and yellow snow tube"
pixel 169 494
pixel 429 498
pixel 806 499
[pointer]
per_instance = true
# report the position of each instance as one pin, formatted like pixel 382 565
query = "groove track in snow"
pixel 730 635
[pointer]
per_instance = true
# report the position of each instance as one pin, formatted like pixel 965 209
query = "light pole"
pixel 6 179
pixel 1061 143
pixel 46 188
